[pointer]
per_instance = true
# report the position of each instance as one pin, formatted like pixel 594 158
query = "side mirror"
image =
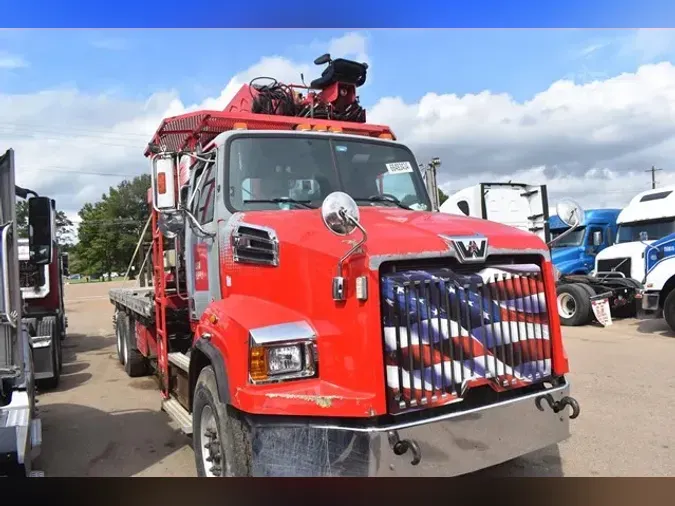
pixel 597 238
pixel 163 182
pixel 65 270
pixel 40 229
pixel 340 213
pixel 571 213
pixel 171 224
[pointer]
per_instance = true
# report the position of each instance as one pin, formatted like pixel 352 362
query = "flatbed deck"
pixel 138 300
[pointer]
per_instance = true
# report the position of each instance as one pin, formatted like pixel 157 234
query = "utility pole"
pixel 653 170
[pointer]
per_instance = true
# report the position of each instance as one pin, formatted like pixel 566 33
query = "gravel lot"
pixel 99 422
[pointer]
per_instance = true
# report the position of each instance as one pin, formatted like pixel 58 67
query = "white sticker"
pixel 399 167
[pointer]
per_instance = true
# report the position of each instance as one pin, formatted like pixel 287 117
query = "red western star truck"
pixel 312 315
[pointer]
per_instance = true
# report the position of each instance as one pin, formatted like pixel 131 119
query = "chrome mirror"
pixel 170 224
pixel 340 213
pixel 571 213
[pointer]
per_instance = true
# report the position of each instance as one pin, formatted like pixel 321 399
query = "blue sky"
pixel 491 103
pixel 406 63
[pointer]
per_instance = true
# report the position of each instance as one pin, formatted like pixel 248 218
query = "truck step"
pixel 180 360
pixel 179 414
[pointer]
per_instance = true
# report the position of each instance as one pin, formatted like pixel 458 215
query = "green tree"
pixel 64 226
pixel 111 228
pixel 442 197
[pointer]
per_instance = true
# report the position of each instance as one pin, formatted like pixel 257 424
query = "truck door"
pixel 201 251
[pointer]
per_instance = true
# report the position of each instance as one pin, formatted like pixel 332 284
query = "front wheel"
pixel 222 444
pixel 669 310
pixel 574 305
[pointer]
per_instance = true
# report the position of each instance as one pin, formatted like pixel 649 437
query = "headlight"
pixel 281 353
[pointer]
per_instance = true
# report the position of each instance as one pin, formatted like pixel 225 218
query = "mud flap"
pixel 601 309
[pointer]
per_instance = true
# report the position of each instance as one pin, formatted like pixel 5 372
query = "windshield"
pixel 265 171
pixel 574 238
pixel 656 229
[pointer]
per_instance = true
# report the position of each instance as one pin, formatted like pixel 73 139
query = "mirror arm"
pixel 564 234
pixel 356 246
pixel 194 221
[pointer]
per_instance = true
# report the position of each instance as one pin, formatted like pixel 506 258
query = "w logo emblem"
pixel 469 249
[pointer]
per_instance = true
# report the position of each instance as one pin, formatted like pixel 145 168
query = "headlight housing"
pixel 282 353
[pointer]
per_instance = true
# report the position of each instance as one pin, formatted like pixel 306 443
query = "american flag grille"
pixel 446 331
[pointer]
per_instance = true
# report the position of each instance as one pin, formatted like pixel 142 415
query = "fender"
pixel 204 345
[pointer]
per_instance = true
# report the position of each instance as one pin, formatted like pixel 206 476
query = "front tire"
pixel 669 310
pixel 222 444
pixel 574 305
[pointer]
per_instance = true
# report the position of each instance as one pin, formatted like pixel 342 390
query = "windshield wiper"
pixel 382 198
pixel 282 200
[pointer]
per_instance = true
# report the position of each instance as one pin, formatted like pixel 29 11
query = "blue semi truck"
pixel 575 252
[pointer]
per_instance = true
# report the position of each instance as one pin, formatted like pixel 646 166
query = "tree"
pixel 442 197
pixel 111 228
pixel 64 226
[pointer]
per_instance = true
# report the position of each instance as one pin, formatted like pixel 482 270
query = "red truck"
pixel 312 315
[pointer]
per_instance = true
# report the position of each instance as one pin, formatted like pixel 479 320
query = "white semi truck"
pixel 645 250
pixel 20 427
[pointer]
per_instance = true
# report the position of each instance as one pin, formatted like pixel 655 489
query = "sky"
pixel 586 112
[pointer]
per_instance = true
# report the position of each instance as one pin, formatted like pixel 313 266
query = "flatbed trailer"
pixel 286 265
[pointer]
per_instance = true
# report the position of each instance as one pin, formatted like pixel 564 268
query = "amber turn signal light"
pixel 258 366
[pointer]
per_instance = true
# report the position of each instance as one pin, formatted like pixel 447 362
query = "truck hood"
pixel 623 250
pixel 391 231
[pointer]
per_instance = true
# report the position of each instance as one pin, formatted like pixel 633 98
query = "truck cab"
pixel 575 252
pixel 648 217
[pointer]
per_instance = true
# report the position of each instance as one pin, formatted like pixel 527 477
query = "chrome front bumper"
pixel 449 445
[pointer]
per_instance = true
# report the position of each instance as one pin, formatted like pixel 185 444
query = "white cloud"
pixel 621 124
pixel 10 61
pixel 648 44
pixel 351 45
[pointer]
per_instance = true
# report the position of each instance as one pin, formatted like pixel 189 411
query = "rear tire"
pixel 119 334
pixel 222 444
pixel 574 305
pixel 135 364
pixel 669 310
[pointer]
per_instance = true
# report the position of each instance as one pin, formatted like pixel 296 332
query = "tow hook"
pixel 401 446
pixel 558 406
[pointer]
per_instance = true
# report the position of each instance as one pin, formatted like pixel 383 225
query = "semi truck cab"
pixel 648 217
pixel 575 253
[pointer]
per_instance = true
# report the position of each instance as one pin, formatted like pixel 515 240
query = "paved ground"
pixel 99 422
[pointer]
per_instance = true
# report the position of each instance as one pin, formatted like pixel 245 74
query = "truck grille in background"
pixel 622 263
pixel 29 274
pixel 466 330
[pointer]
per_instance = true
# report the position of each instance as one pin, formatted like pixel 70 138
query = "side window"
pixel 463 206
pixel 207 195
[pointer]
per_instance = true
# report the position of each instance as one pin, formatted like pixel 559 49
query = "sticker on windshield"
pixel 341 149
pixel 399 167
